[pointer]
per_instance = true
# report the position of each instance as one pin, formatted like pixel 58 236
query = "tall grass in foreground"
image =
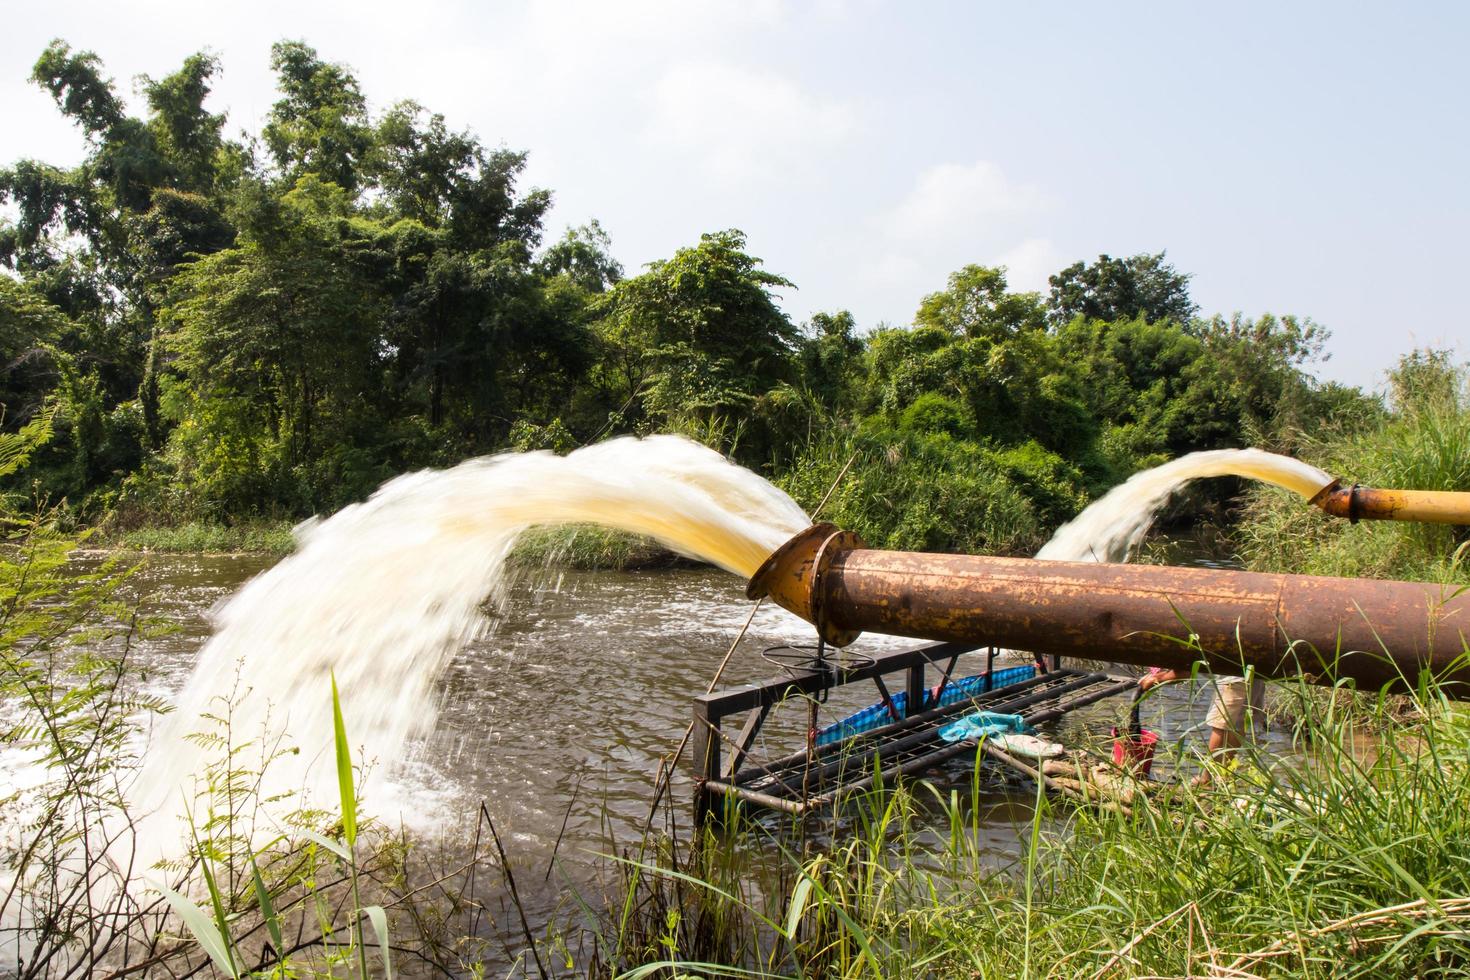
pixel 221 931
pixel 1346 859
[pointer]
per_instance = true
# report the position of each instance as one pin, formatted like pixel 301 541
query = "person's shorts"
pixel 1238 707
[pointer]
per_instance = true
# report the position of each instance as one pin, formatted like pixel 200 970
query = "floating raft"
pixel 882 741
pixel 881 713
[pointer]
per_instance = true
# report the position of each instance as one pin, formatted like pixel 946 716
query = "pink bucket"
pixel 1135 752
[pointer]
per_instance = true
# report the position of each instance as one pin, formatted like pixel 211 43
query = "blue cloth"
pixel 982 724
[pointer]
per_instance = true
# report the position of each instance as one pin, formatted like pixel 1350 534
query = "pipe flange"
pixel 1321 498
pixel 838 543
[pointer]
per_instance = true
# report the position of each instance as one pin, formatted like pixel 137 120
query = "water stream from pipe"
pixel 1115 524
pixel 383 593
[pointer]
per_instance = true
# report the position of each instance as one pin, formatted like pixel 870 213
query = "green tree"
pixel 29 325
pixel 1121 289
pixel 186 134
pixel 320 125
pixel 829 359
pixel 277 340
pixel 698 338
pixel 977 303
pixel 101 239
pixel 1251 385
pixel 1131 375
pixel 472 333
pixel 584 255
pixel 984 348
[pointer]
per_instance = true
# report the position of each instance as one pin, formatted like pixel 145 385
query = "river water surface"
pixel 561 716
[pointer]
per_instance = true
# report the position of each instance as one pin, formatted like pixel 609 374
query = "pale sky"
pixel 1295 158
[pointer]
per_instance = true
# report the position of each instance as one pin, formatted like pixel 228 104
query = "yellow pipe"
pixel 1358 503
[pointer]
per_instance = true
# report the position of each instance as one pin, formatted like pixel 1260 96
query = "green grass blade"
pixel 267 910
pixel 858 933
pixel 379 919
pixel 202 928
pixel 216 901
pixel 335 847
pixel 799 896
pixel 344 771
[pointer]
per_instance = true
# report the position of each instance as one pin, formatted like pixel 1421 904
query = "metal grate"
pixel 820 776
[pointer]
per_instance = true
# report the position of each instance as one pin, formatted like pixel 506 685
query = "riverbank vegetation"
pixel 231 330
pixel 205 537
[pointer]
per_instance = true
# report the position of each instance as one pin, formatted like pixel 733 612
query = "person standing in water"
pixel 1238 710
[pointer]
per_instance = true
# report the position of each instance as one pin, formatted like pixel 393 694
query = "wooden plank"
pixel 706 748
pixel 718 788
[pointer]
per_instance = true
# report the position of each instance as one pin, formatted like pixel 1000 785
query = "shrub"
pixel 933 414
pixel 920 492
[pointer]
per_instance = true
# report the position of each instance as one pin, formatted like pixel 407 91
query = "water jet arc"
pixel 1376 633
pixel 1359 503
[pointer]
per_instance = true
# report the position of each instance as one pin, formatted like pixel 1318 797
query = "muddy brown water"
pixel 563 714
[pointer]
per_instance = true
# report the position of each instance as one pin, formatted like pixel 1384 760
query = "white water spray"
pixel 1115 524
pixel 383 593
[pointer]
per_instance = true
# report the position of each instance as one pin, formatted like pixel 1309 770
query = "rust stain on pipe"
pixel 1374 632
pixel 1359 503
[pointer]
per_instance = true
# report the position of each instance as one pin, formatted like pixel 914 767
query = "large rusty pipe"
pixel 1376 633
pixel 1358 503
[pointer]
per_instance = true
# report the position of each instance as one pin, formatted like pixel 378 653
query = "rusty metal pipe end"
pixel 1337 500
pixel 1321 497
pixel 793 574
pixel 1360 503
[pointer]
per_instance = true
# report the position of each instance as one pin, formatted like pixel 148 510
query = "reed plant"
pixel 224 929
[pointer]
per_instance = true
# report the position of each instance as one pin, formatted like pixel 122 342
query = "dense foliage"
pixel 228 329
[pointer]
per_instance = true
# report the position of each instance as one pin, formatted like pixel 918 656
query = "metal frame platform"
pixel 817 777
